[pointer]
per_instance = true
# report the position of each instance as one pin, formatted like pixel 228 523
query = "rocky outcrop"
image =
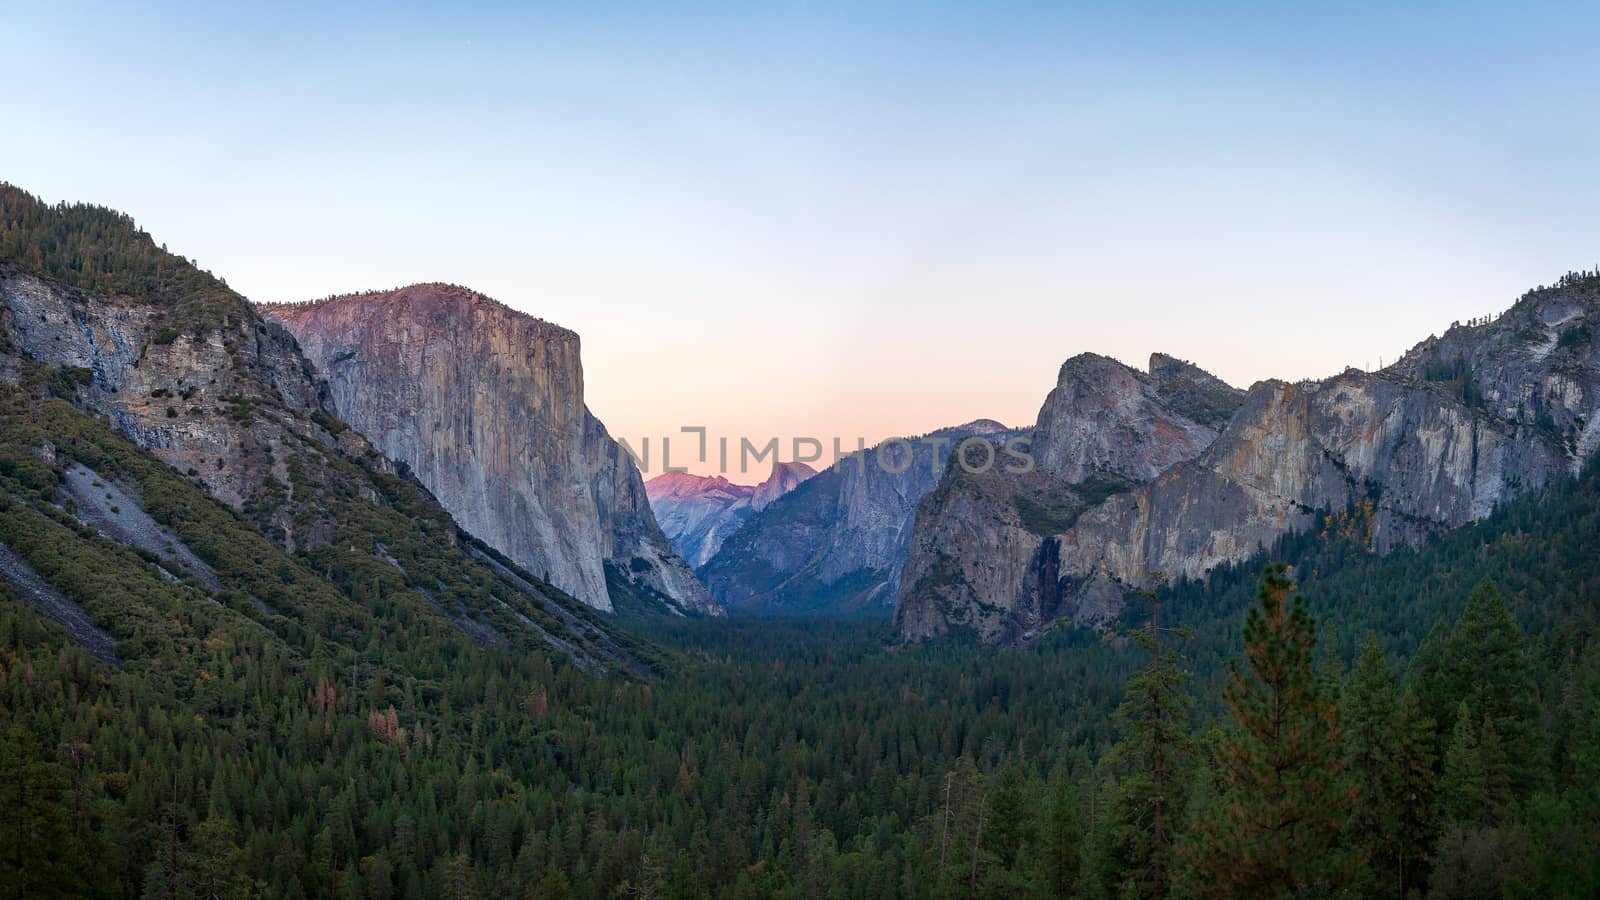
pixel 1462 423
pixel 232 404
pixel 698 512
pixel 1105 418
pixel 837 542
pixel 982 556
pixel 484 406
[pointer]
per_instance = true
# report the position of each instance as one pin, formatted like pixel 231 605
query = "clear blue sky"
pixel 859 219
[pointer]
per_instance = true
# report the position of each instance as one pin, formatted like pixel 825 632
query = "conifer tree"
pixel 1367 713
pixel 1286 802
pixel 1430 676
pixel 1061 838
pixel 1155 754
pixel 1490 670
pixel 1460 783
pixel 1413 786
pixel 39 854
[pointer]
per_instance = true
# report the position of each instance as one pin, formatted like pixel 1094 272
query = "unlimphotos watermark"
pixel 975 453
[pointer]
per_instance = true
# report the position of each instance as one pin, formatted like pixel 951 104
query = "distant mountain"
pixel 836 543
pixel 697 512
pixel 1464 422
pixel 484 405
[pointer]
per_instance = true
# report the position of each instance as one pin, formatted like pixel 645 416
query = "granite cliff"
pixel 1463 422
pixel 484 406
pixel 1104 429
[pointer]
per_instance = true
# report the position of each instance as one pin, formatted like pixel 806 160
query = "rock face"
pixel 231 405
pixel 484 405
pixel 982 540
pixel 837 542
pixel 1106 418
pixel 698 512
pixel 1462 423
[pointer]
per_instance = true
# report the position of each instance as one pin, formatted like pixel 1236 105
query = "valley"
pixel 357 597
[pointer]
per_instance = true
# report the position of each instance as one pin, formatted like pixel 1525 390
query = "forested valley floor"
pixel 1426 722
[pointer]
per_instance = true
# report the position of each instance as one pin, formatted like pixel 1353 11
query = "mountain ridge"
pixel 1461 423
pixel 698 512
pixel 836 543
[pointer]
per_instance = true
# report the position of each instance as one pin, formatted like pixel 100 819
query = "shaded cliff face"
pixel 1462 423
pixel 982 542
pixel 484 405
pixel 837 542
pixel 698 512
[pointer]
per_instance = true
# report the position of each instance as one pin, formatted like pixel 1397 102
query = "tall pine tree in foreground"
pixel 1285 805
pixel 1490 671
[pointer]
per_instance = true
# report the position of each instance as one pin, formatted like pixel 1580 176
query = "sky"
pixel 844 220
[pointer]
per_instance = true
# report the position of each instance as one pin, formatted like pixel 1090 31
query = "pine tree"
pixel 213 866
pixel 1367 714
pixel 1430 676
pixel 1156 755
pixel 1012 804
pixel 39 854
pixel 553 886
pixel 1062 834
pixel 1495 777
pixel 1490 670
pixel 1413 787
pixel 1460 783
pixel 1286 803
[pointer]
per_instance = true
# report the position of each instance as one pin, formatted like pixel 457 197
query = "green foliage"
pixel 1155 759
pixel 1052 512
pixel 1454 377
pixel 100 250
pixel 1410 784
pixel 1367 712
pixel 1488 669
pixel 1286 802
pixel 41 852
pixel 1204 402
pixel 1576 336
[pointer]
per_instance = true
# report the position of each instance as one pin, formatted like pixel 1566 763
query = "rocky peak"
pixel 1106 417
pixel 785 477
pixel 981 427
pixel 485 406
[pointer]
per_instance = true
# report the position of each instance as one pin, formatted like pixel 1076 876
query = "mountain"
pixel 698 512
pixel 1105 428
pixel 176 449
pixel 837 541
pixel 484 406
pixel 1462 423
